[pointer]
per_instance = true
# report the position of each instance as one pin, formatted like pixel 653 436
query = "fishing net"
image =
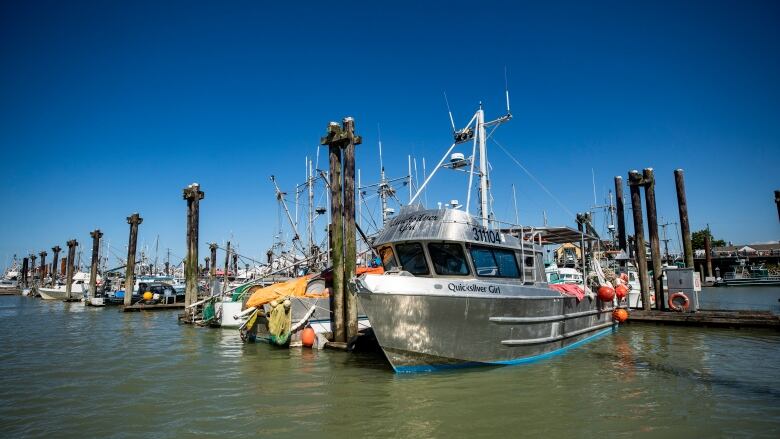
pixel 279 324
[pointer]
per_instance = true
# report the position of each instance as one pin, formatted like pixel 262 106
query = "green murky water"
pixel 71 371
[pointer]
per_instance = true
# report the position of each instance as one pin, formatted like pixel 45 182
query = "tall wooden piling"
pixel 33 267
pixel 193 195
pixel 708 253
pixel 235 264
pixel 43 254
pixel 777 203
pixel 56 250
pixel 350 232
pixel 621 215
pixel 333 139
pixel 635 183
pixel 93 268
pixel 25 272
pixel 134 220
pixel 213 269
pixel 685 227
pixel 72 244
pixel 655 244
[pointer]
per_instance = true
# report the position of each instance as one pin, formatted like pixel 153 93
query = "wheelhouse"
pixel 450 243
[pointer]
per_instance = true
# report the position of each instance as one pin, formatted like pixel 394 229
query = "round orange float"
pixel 606 293
pixel 621 291
pixel 308 337
pixel 620 315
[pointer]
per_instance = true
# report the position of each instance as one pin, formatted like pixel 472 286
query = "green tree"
pixel 697 238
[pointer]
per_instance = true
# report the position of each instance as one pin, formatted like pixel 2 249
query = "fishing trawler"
pixel 78 288
pixel 459 291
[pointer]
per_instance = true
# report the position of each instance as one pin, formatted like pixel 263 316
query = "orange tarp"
pixel 295 287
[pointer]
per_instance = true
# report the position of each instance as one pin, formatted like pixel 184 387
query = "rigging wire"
pixel 544 188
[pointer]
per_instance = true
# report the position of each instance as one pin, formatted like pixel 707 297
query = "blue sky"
pixel 107 108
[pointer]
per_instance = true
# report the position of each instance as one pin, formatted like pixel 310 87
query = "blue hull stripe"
pixel 524 360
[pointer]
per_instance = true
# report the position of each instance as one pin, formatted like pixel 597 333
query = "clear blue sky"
pixel 107 108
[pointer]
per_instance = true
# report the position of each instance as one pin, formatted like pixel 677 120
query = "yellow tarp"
pixel 295 287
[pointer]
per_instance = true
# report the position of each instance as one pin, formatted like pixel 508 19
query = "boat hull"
pixel 428 332
pixel 59 294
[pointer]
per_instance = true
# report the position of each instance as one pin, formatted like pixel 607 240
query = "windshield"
pixel 412 258
pixel 448 259
pixel 494 262
pixel 388 258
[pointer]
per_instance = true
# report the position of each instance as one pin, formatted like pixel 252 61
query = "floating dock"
pixel 730 319
pixel 154 307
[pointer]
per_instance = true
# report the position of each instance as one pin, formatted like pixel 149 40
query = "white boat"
pixel 10 281
pixel 564 275
pixel 78 288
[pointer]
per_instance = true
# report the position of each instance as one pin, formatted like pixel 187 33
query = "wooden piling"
pixel 93 269
pixel 193 195
pixel 235 264
pixel 134 220
pixel 63 266
pixel 621 215
pixel 777 203
pixel 685 227
pixel 72 244
pixel 56 250
pixel 635 183
pixel 655 244
pixel 43 254
pixel 350 232
pixel 33 267
pixel 213 269
pixel 333 139
pixel 708 253
pixel 25 271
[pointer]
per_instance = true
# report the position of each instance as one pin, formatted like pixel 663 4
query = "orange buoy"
pixel 308 336
pixel 606 293
pixel 148 295
pixel 621 291
pixel 620 315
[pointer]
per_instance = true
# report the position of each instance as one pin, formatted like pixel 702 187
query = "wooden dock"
pixel 154 307
pixel 730 319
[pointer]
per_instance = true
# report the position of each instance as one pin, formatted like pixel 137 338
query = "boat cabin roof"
pixel 445 225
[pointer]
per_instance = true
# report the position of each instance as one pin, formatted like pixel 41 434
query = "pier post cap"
pixel 96 233
pixel 193 192
pixel 56 249
pixel 680 170
pixel 135 219
pixel 648 170
pixel 43 253
pixel 72 243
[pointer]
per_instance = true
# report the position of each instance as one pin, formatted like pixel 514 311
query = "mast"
pixel 310 184
pixel 483 176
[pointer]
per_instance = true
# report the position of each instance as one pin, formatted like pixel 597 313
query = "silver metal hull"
pixel 425 332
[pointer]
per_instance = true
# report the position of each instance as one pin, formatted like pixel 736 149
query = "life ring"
pixel 681 307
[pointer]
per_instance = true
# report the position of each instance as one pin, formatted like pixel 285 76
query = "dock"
pixel 152 307
pixel 728 319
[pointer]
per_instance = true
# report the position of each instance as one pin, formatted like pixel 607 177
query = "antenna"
pixel 452 121
pixel 506 89
pixel 593 180
pixel 379 136
pixel 514 195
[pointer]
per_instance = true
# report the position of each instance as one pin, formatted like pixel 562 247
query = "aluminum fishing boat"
pixel 458 290
pixel 455 294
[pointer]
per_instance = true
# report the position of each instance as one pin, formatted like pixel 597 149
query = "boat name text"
pixel 474 288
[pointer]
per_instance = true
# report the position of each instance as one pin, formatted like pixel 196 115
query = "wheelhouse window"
pixel 448 259
pixel 412 258
pixel 388 258
pixel 494 262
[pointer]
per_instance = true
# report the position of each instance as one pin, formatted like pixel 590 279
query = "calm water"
pixel 71 371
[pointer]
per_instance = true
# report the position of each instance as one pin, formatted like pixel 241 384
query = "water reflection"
pixel 174 380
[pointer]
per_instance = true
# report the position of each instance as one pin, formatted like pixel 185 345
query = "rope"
pixel 534 179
